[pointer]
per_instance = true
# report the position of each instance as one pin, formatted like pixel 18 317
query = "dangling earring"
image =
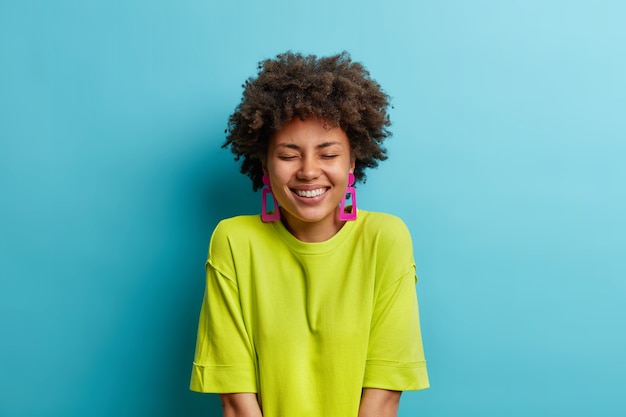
pixel 267 192
pixel 351 214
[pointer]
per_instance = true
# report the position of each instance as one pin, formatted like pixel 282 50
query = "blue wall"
pixel 507 164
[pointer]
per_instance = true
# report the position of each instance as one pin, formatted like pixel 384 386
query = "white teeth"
pixel 311 193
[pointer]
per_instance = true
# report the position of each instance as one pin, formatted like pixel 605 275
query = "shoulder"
pixel 384 219
pixel 234 231
pixel 234 238
pixel 389 242
pixel 387 228
pixel 238 225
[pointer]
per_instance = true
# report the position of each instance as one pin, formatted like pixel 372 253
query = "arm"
pixel 395 355
pixel 240 405
pixel 379 403
pixel 224 361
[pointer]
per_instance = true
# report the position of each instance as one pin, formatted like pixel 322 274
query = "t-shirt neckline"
pixel 316 248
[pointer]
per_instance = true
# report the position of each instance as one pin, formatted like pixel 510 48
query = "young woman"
pixel 310 308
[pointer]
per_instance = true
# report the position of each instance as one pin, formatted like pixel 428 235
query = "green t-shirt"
pixel 308 325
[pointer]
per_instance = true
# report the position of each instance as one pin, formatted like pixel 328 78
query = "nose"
pixel 309 168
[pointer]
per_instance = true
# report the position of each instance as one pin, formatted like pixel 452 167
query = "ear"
pixel 352 165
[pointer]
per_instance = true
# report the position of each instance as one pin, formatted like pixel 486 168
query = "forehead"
pixel 309 132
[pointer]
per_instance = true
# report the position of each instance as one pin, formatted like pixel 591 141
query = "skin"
pixel 379 403
pixel 308 156
pixel 374 403
pixel 240 405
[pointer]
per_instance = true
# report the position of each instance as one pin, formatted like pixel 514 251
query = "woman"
pixel 310 309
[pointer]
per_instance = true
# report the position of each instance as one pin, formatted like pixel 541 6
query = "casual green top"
pixel 306 326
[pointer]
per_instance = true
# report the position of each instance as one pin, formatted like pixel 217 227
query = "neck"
pixel 312 231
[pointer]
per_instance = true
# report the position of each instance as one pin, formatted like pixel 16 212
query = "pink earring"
pixel 268 216
pixel 350 213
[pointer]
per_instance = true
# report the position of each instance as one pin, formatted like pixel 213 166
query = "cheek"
pixel 345 169
pixel 278 175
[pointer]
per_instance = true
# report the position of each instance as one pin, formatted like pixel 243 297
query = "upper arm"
pixel 379 403
pixel 240 405
pixel 395 358
pixel 225 359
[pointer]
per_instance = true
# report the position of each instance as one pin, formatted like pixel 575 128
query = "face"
pixel 308 165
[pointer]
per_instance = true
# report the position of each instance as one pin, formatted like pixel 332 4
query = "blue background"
pixel 507 164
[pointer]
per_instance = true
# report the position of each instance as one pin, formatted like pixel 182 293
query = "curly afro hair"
pixel 334 89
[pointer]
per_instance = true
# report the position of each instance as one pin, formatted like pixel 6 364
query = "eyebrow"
pixel 320 146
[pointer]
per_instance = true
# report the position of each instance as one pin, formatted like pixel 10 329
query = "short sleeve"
pixel 395 358
pixel 224 359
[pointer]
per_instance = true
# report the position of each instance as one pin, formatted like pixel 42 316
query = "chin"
pixel 311 217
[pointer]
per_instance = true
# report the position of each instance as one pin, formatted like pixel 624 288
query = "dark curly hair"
pixel 333 88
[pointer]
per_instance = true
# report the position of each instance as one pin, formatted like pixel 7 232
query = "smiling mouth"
pixel 310 193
